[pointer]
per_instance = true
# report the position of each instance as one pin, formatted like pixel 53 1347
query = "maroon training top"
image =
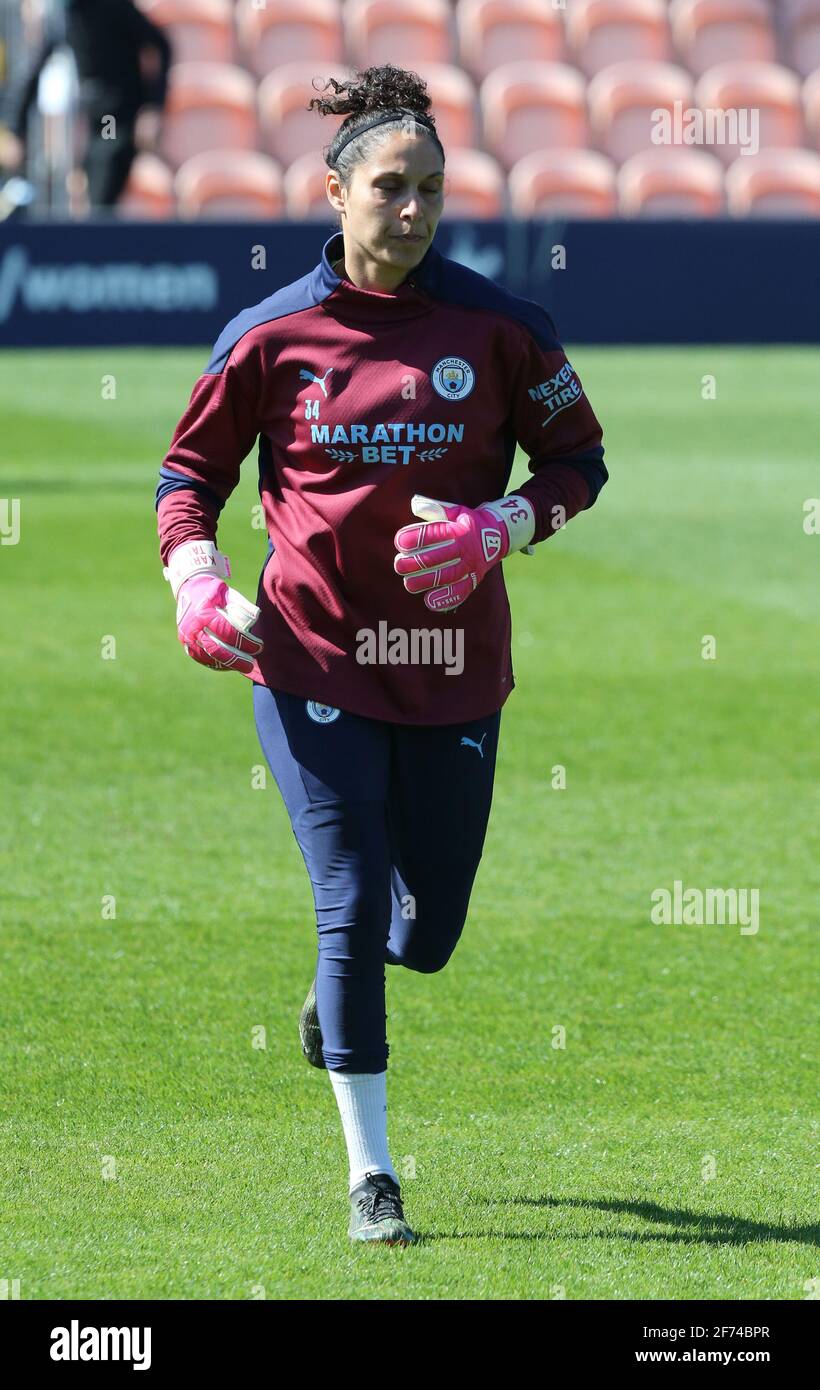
pixel 359 399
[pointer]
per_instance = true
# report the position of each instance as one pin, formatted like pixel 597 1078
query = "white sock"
pixel 362 1101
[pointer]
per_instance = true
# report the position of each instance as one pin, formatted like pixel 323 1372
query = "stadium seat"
pixel 403 32
pixel 708 32
pixel 666 182
pixel 474 186
pixel 229 183
pixel 623 99
pixel 529 106
pixel 775 183
pixel 802 24
pixel 200 31
pixel 455 104
pixel 210 105
pixel 602 32
pixel 771 91
pixel 285 31
pixel 149 192
pixel 811 108
pixel 564 183
pixel 492 32
pixel 288 128
pixel 305 189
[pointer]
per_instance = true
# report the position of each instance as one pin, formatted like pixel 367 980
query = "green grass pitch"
pixel 150 1150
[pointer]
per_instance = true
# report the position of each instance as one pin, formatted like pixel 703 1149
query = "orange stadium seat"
pixel 671 183
pixel 530 106
pixel 229 183
pixel 623 99
pixel 403 32
pixel 288 128
pixel 209 105
pixel 286 31
pixel 775 183
pixel 708 32
pixel 455 104
pixel 149 192
pixel 602 32
pixel 811 108
pixel 200 31
pixel 566 183
pixel 474 185
pixel 492 32
pixel 803 28
pixel 771 91
pixel 304 189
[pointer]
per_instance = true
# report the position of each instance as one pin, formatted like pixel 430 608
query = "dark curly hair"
pixel 362 97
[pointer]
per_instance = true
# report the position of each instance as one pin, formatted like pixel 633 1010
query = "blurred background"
pixel 143 116
pixel 542 107
pixel 153 114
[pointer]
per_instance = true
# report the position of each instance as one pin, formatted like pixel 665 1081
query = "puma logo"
pixel 471 743
pixel 305 375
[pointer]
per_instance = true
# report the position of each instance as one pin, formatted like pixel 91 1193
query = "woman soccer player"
pixel 388 388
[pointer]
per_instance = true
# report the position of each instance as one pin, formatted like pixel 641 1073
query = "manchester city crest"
pixel 320 713
pixel 453 378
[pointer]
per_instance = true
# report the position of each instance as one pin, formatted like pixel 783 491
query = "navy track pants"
pixel 390 819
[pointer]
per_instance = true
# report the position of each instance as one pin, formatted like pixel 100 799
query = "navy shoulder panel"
pixel 454 283
pixel 439 276
pixel 301 294
pixel 448 280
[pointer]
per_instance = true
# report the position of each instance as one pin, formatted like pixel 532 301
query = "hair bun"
pixel 375 89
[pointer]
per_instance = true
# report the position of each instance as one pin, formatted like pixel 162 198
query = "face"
pixel 397 195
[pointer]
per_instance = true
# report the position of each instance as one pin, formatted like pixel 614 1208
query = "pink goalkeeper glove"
pixel 448 556
pixel 213 621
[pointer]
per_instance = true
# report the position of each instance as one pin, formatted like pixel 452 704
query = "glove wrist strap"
pixel 195 557
pixel 518 515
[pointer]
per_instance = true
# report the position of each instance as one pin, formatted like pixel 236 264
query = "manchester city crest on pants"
pixel 453 378
pixel 321 714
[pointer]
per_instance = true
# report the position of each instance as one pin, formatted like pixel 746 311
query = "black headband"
pixel 397 113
